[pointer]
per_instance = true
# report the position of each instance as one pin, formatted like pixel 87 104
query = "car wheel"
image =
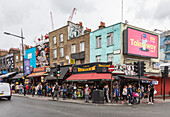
pixel 9 98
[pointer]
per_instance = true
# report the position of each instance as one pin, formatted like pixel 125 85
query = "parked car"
pixel 5 90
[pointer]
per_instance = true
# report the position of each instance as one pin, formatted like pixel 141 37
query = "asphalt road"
pixel 25 107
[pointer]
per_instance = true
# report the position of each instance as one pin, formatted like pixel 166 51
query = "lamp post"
pixel 22 38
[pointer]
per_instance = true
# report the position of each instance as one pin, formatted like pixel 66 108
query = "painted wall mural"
pixel 74 30
pixel 42 55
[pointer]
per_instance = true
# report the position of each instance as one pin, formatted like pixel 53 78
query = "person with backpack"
pixel 56 91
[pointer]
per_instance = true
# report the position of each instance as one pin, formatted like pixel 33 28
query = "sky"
pixel 33 16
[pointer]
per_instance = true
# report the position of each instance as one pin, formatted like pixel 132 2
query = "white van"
pixel 5 90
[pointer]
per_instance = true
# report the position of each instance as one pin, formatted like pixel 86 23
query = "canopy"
pixel 89 76
pixel 36 74
pixel 18 76
pixel 7 75
pixel 136 77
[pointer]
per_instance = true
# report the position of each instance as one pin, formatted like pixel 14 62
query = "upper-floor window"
pixel 61 52
pixel 61 37
pixel 98 42
pixel 98 58
pixel 81 46
pixel 54 40
pixel 110 39
pixel 73 48
pixel 17 58
pixel 110 57
pixel 21 58
pixel 55 53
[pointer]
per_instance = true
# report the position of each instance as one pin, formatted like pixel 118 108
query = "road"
pixel 25 107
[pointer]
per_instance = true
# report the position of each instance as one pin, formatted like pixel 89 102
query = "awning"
pixel 89 76
pixel 36 74
pixel 136 77
pixel 18 76
pixel 63 70
pixel 7 75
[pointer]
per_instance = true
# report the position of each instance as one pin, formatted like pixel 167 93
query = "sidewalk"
pixel 81 101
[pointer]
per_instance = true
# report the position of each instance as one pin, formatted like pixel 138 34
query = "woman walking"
pixel 124 93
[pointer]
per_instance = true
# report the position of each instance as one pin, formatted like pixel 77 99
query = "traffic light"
pixel 163 74
pixel 143 67
pixel 54 73
pixel 166 72
pixel 58 69
pixel 137 67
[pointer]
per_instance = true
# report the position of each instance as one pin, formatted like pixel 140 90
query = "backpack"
pixel 56 88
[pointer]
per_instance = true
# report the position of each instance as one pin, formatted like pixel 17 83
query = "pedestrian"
pixel 124 93
pixel 106 93
pixel 86 91
pixel 70 91
pixel 46 89
pixel 27 89
pixel 56 91
pixel 39 89
pixel 64 89
pixel 33 90
pixel 116 94
pixel 49 91
pixel 151 93
pixel 74 91
pixel 20 88
pixel 142 91
pixel 130 94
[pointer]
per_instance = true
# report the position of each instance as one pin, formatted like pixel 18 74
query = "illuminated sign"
pixel 87 69
pixel 140 43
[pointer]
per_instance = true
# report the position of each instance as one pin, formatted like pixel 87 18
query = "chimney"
pixel 102 25
pixel 81 24
pixel 87 30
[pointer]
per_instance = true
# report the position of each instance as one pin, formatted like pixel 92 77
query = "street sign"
pixel 111 68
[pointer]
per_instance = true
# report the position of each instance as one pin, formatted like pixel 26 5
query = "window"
pixel 110 39
pixel 55 53
pixel 98 42
pixel 17 58
pixel 21 58
pixel 54 40
pixel 73 48
pixel 61 37
pixel 29 55
pixel 110 57
pixel 98 58
pixel 61 52
pixel 81 46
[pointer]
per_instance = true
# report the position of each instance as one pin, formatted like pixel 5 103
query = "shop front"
pixel 96 75
pixel 7 77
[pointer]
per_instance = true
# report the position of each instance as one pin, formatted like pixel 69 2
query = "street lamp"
pixel 22 38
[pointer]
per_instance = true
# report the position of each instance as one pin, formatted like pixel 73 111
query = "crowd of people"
pixel 128 94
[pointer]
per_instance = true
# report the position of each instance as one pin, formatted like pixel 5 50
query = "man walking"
pixel 86 94
pixel 130 94
pixel 56 91
pixel 151 93
pixel 20 88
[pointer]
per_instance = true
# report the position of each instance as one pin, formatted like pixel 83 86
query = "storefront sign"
pixel 92 67
pixel 140 43
pixel 27 66
pixel 40 69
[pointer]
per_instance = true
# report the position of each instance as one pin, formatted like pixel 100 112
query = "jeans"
pixel 116 98
pixel 86 98
pixel 40 92
pixel 150 96
pixel 56 94
pixel 130 99
pixel 20 91
pixel 64 95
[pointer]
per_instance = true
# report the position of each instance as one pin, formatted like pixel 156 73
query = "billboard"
pixel 140 43
pixel 27 66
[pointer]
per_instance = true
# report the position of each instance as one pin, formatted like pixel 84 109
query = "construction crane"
pixel 52 23
pixel 71 16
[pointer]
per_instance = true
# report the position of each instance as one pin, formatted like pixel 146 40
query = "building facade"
pixel 104 42
pixel 65 43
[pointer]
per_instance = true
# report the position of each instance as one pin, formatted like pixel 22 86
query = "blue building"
pixel 105 44
pixel 30 54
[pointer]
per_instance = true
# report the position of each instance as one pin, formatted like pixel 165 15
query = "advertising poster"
pixel 27 66
pixel 141 43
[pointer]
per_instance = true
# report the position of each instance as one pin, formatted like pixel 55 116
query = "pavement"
pixel 82 101
pixel 20 106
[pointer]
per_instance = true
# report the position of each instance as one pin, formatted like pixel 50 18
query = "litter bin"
pixel 98 96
